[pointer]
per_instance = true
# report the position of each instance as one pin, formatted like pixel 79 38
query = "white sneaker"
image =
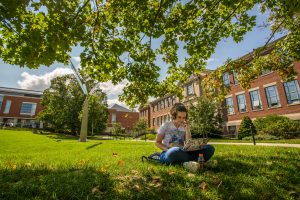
pixel 191 166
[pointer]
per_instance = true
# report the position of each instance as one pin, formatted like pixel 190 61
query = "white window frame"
pixel 31 113
pixel 288 92
pixel 241 103
pixel 230 108
pixel 226 79
pixel 189 89
pixel 7 107
pixel 255 107
pixel 269 99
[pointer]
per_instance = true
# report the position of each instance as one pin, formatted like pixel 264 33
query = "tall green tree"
pixel 116 38
pixel 62 103
pixel 140 126
pixel 205 118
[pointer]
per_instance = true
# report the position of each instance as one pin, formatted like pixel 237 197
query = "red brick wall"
pixel 126 119
pixel 259 82
pixel 158 113
pixel 16 103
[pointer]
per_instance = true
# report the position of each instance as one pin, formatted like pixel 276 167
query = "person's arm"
pixel 158 142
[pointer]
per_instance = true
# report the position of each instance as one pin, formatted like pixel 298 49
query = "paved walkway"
pixel 259 144
pixel 240 143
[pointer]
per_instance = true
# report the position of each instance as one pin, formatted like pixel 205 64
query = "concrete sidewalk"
pixel 259 144
pixel 240 143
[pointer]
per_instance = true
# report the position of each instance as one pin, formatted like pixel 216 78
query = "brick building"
pixel 124 116
pixel 158 111
pixel 268 94
pixel 19 107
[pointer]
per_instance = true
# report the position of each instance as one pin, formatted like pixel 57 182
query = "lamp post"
pixel 84 121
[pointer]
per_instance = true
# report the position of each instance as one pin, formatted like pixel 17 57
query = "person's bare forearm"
pixel 161 146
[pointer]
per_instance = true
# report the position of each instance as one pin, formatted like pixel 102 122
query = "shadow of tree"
pixel 94 145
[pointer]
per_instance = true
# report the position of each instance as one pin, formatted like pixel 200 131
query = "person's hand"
pixel 186 124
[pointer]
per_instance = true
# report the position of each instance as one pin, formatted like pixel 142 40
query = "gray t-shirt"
pixel 172 136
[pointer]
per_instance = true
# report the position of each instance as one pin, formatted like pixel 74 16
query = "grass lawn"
pixel 36 166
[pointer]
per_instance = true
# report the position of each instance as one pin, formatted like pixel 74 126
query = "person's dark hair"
pixel 178 107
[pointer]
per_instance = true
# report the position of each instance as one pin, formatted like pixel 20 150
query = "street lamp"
pixel 84 121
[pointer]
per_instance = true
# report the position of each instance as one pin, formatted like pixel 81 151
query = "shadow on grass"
pixel 86 183
pixel 94 145
pixel 249 177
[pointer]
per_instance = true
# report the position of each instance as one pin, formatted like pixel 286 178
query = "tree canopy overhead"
pixel 117 36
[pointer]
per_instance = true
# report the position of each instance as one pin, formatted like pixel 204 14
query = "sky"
pixel 39 79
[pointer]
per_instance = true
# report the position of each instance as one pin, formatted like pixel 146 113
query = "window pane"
pixel 255 100
pixel 241 103
pixel 189 89
pixel 272 96
pixel 226 79
pixel 28 108
pixel 235 78
pixel 292 91
pixel 229 105
pixel 1 100
pixel 7 107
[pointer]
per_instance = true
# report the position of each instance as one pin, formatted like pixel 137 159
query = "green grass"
pixel 36 166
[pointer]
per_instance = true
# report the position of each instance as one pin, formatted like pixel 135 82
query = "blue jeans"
pixel 175 155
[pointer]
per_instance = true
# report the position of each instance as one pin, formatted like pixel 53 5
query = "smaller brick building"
pixel 122 115
pixel 19 107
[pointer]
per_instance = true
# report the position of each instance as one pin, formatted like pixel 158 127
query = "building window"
pixel 157 105
pixel 232 130
pixel 28 109
pixel 161 119
pixel 168 101
pixel 241 103
pixel 229 105
pixel 272 96
pixel 235 78
pixel 7 107
pixel 113 118
pixel 164 103
pixel 189 89
pixel 165 118
pixel 157 121
pixel 292 91
pixel 255 100
pixel 1 100
pixel 226 79
pixel 153 121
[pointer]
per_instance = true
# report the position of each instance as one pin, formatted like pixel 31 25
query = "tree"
pixel 140 126
pixel 117 129
pixel 116 38
pixel 62 103
pixel 98 113
pixel 205 118
pixel 246 128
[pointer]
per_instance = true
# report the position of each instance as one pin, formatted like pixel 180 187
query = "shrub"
pixel 278 126
pixel 245 128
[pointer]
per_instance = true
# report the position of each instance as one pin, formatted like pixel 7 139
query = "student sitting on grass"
pixel 171 136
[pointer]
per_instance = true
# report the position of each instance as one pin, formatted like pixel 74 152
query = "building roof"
pixel 20 92
pixel 120 108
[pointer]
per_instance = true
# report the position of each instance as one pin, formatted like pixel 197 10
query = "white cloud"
pixel 76 58
pixel 113 91
pixel 211 60
pixel 41 82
